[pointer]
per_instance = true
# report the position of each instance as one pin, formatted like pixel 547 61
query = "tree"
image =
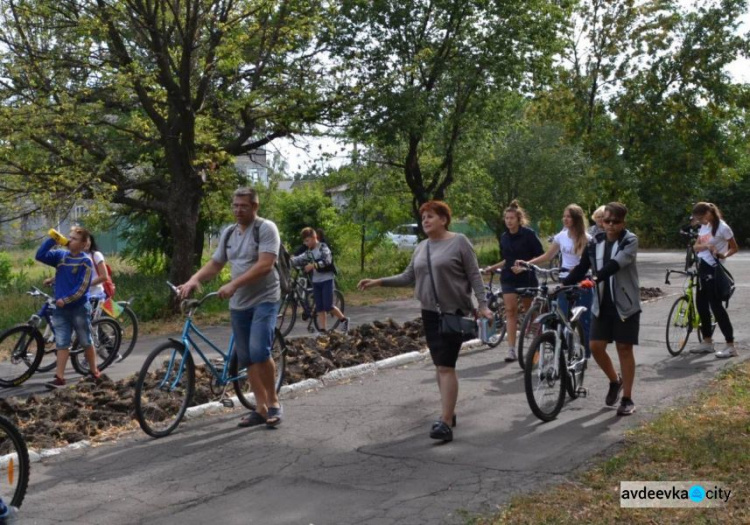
pixel 141 102
pixel 422 69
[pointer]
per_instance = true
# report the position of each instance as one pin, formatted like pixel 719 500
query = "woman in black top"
pixel 518 243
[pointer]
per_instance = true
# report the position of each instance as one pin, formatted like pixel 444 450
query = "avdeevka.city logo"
pixel 685 494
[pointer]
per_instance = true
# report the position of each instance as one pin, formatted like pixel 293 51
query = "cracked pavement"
pixel 359 451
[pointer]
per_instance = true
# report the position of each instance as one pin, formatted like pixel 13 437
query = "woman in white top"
pixel 571 242
pixel 715 242
pixel 96 289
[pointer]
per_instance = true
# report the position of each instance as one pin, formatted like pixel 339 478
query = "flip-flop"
pixel 253 419
pixel 275 415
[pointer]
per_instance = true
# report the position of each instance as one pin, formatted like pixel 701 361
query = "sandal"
pixel 275 415
pixel 253 419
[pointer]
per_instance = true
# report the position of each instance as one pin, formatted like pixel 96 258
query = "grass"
pixel 708 440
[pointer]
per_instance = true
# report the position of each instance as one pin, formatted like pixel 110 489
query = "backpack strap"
pixel 230 231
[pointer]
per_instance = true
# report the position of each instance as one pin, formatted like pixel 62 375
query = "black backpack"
pixel 283 262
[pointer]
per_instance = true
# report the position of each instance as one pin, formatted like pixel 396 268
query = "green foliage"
pixel 6 270
pixel 304 206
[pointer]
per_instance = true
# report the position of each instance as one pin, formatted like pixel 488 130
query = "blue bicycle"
pixel 23 346
pixel 166 383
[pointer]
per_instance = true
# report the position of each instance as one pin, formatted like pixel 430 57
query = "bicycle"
pixel 683 316
pixel 540 305
pixel 556 361
pixel 23 346
pixel 166 382
pixel 495 303
pixel 14 464
pixel 300 296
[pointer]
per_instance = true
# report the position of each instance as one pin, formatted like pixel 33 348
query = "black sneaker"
pixel 626 407
pixel 441 431
pixel 345 325
pixel 614 392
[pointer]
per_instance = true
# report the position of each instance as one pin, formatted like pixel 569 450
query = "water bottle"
pixel 59 237
pixel 487 329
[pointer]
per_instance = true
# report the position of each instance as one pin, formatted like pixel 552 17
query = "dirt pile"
pixel 98 410
pixel 650 293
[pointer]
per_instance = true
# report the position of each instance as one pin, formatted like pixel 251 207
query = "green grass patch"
pixel 709 440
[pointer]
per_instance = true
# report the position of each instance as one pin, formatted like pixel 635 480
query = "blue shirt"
pixel 72 273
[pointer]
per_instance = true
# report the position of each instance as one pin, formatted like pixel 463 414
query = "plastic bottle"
pixel 59 237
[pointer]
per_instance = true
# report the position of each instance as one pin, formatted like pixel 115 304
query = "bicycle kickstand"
pixel 225 400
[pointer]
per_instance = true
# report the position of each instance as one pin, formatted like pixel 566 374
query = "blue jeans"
pixel 68 319
pixel 253 331
pixel 585 298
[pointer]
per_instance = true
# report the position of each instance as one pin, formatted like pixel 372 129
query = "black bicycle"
pixel 540 305
pixel 495 303
pixel 14 464
pixel 300 297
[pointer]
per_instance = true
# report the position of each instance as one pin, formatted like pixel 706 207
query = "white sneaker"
pixel 727 351
pixel 511 355
pixel 703 348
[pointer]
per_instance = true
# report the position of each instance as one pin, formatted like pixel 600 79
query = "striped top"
pixel 72 276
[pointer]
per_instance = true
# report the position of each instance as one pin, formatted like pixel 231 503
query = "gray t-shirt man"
pixel 242 253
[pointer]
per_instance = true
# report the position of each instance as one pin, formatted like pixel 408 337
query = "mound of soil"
pixel 650 293
pixel 99 410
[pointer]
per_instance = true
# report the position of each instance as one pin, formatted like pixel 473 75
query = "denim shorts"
pixel 253 330
pixel 68 319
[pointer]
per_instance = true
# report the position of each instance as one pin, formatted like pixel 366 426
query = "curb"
pixel 330 378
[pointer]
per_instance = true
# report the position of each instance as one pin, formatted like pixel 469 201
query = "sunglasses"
pixel 612 221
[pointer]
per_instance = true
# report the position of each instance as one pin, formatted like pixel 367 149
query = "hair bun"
pixel 514 204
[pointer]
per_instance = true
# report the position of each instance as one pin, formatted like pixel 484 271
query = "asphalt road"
pixel 359 452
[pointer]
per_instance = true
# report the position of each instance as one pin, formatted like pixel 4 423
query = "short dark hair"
pixel 307 233
pixel 617 210
pixel 439 208
pixel 247 192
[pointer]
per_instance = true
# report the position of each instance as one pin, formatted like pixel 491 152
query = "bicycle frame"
pixel 563 329
pixel 689 289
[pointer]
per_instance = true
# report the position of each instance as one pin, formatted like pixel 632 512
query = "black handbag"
pixel 451 324
pixel 724 282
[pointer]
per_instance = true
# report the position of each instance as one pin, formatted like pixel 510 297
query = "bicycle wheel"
pixel 21 351
pixel 577 362
pixel 499 330
pixel 14 464
pixel 164 389
pixel 529 330
pixel 105 336
pixel 338 302
pixel 49 359
pixel 679 325
pixel 129 324
pixel 242 387
pixel 287 315
pixel 545 390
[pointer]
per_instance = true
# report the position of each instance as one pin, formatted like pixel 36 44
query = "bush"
pixel 6 270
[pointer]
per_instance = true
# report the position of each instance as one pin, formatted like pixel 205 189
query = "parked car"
pixel 404 236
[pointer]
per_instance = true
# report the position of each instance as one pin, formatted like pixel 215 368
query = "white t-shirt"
pixel 721 240
pixel 568 250
pixel 96 290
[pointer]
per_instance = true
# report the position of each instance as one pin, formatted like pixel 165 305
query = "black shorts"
pixel 443 348
pixel 609 327
pixel 525 280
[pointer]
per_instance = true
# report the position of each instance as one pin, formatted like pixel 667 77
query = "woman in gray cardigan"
pixel 456 274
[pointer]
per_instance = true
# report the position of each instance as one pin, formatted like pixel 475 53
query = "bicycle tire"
pixel 287 315
pixel 18 358
pixel 679 325
pixel 48 363
pixel 105 336
pixel 544 345
pixel 129 324
pixel 527 333
pixel 163 394
pixel 242 388
pixel 14 464
pixel 338 302
pixel 499 331
pixel 575 381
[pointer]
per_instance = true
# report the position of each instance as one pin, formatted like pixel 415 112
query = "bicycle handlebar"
pixel 188 305
pixel 689 273
pixel 36 292
pixel 551 272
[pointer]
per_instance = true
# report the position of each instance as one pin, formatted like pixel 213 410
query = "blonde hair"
pixel 599 212
pixel 515 207
pixel 579 227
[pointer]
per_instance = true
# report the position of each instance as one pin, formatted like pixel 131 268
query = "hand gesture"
pixel 587 284
pixel 364 284
pixel 187 288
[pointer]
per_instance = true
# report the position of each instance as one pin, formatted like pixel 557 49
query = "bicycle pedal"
pixel 582 392
pixel 227 403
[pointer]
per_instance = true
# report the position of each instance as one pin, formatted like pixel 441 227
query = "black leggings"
pixel 707 302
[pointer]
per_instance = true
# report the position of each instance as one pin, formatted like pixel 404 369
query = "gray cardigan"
pixel 456 272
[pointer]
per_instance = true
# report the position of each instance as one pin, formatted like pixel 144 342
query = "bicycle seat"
pixel 188 304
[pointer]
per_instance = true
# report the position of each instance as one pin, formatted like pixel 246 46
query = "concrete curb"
pixel 330 378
